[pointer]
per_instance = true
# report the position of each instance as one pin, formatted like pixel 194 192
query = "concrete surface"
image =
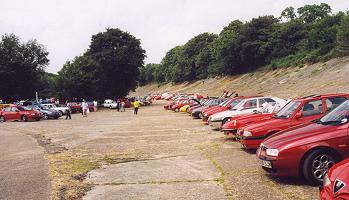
pixel 24 171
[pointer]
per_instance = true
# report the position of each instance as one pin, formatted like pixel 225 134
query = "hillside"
pixel 331 76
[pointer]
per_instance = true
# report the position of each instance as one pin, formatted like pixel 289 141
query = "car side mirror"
pixel 298 115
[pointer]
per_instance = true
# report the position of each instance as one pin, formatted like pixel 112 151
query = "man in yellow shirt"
pixel 136 106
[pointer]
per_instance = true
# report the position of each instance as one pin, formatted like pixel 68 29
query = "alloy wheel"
pixel 321 164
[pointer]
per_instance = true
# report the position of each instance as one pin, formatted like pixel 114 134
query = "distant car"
pixel 75 107
pixel 310 149
pixel 245 107
pixel 296 112
pixel 336 182
pixel 46 113
pixel 108 103
pixel 62 109
pixel 19 113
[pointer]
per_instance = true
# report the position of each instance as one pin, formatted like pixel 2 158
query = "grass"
pixel 67 173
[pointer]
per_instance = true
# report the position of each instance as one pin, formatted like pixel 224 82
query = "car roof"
pixel 317 96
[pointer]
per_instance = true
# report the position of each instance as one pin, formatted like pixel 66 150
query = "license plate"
pixel 265 163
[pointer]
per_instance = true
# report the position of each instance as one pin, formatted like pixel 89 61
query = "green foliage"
pixel 294 39
pixel 109 68
pixel 342 36
pixel 21 67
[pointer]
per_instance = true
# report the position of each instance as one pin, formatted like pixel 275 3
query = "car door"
pixel 15 114
pixel 8 114
pixel 310 111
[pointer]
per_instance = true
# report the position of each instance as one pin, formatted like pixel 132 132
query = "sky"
pixel 65 27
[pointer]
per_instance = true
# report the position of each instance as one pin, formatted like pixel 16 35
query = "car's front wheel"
pixel 61 112
pixel 45 115
pixel 2 119
pixel 316 165
pixel 24 118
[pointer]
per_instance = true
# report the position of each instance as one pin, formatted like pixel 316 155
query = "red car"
pixel 296 112
pixel 234 123
pixel 226 105
pixel 19 113
pixel 171 103
pixel 75 106
pixel 308 150
pixel 335 183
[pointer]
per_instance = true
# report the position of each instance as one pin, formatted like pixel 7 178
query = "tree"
pixel 288 14
pixel 342 36
pixel 21 67
pixel 312 13
pixel 119 56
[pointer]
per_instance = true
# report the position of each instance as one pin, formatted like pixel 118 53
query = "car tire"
pixel 38 119
pixel 316 164
pixel 2 119
pixel 61 112
pixel 45 116
pixel 24 118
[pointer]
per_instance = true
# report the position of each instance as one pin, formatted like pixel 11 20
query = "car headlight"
pixel 247 134
pixel 326 181
pixel 272 152
pixel 32 114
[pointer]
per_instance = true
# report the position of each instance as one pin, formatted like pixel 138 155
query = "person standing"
pixel 118 105
pixel 122 106
pixel 68 114
pixel 84 106
pixel 136 106
pixel 95 105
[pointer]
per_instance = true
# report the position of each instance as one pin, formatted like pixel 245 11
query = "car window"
pixel 268 100
pixel 14 109
pixel 333 102
pixel 7 109
pixel 312 108
pixel 250 104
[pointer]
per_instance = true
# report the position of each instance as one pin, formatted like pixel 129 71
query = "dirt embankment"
pixel 329 77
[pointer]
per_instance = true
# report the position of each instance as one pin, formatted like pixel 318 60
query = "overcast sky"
pixel 65 27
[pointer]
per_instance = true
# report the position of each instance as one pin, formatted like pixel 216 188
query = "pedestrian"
pixel 136 106
pixel 68 114
pixel 95 105
pixel 118 105
pixel 122 106
pixel 84 106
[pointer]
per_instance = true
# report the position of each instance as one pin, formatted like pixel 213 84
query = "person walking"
pixel 84 106
pixel 136 106
pixel 118 105
pixel 68 114
pixel 122 106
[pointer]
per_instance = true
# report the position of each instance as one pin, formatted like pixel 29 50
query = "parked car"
pixel 234 123
pixel 19 113
pixel 176 107
pixel 108 103
pixel 309 149
pixel 197 112
pixel 60 108
pixel 46 113
pixel 245 107
pixel 296 112
pixel 75 107
pixel 336 182
pixel 2 106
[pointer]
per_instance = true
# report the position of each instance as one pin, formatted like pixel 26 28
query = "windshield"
pixel 288 110
pixel 268 108
pixel 339 115
pixel 235 104
pixel 225 102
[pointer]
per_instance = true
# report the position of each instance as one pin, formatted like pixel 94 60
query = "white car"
pixel 108 103
pixel 62 109
pixel 245 107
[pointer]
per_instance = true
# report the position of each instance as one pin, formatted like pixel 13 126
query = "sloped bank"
pixel 328 77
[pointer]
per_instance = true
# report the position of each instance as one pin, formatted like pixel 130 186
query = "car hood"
pixel 216 110
pixel 271 124
pixel 199 109
pixel 224 114
pixel 246 119
pixel 299 135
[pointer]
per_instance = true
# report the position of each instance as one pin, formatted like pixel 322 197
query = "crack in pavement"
pixel 155 182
